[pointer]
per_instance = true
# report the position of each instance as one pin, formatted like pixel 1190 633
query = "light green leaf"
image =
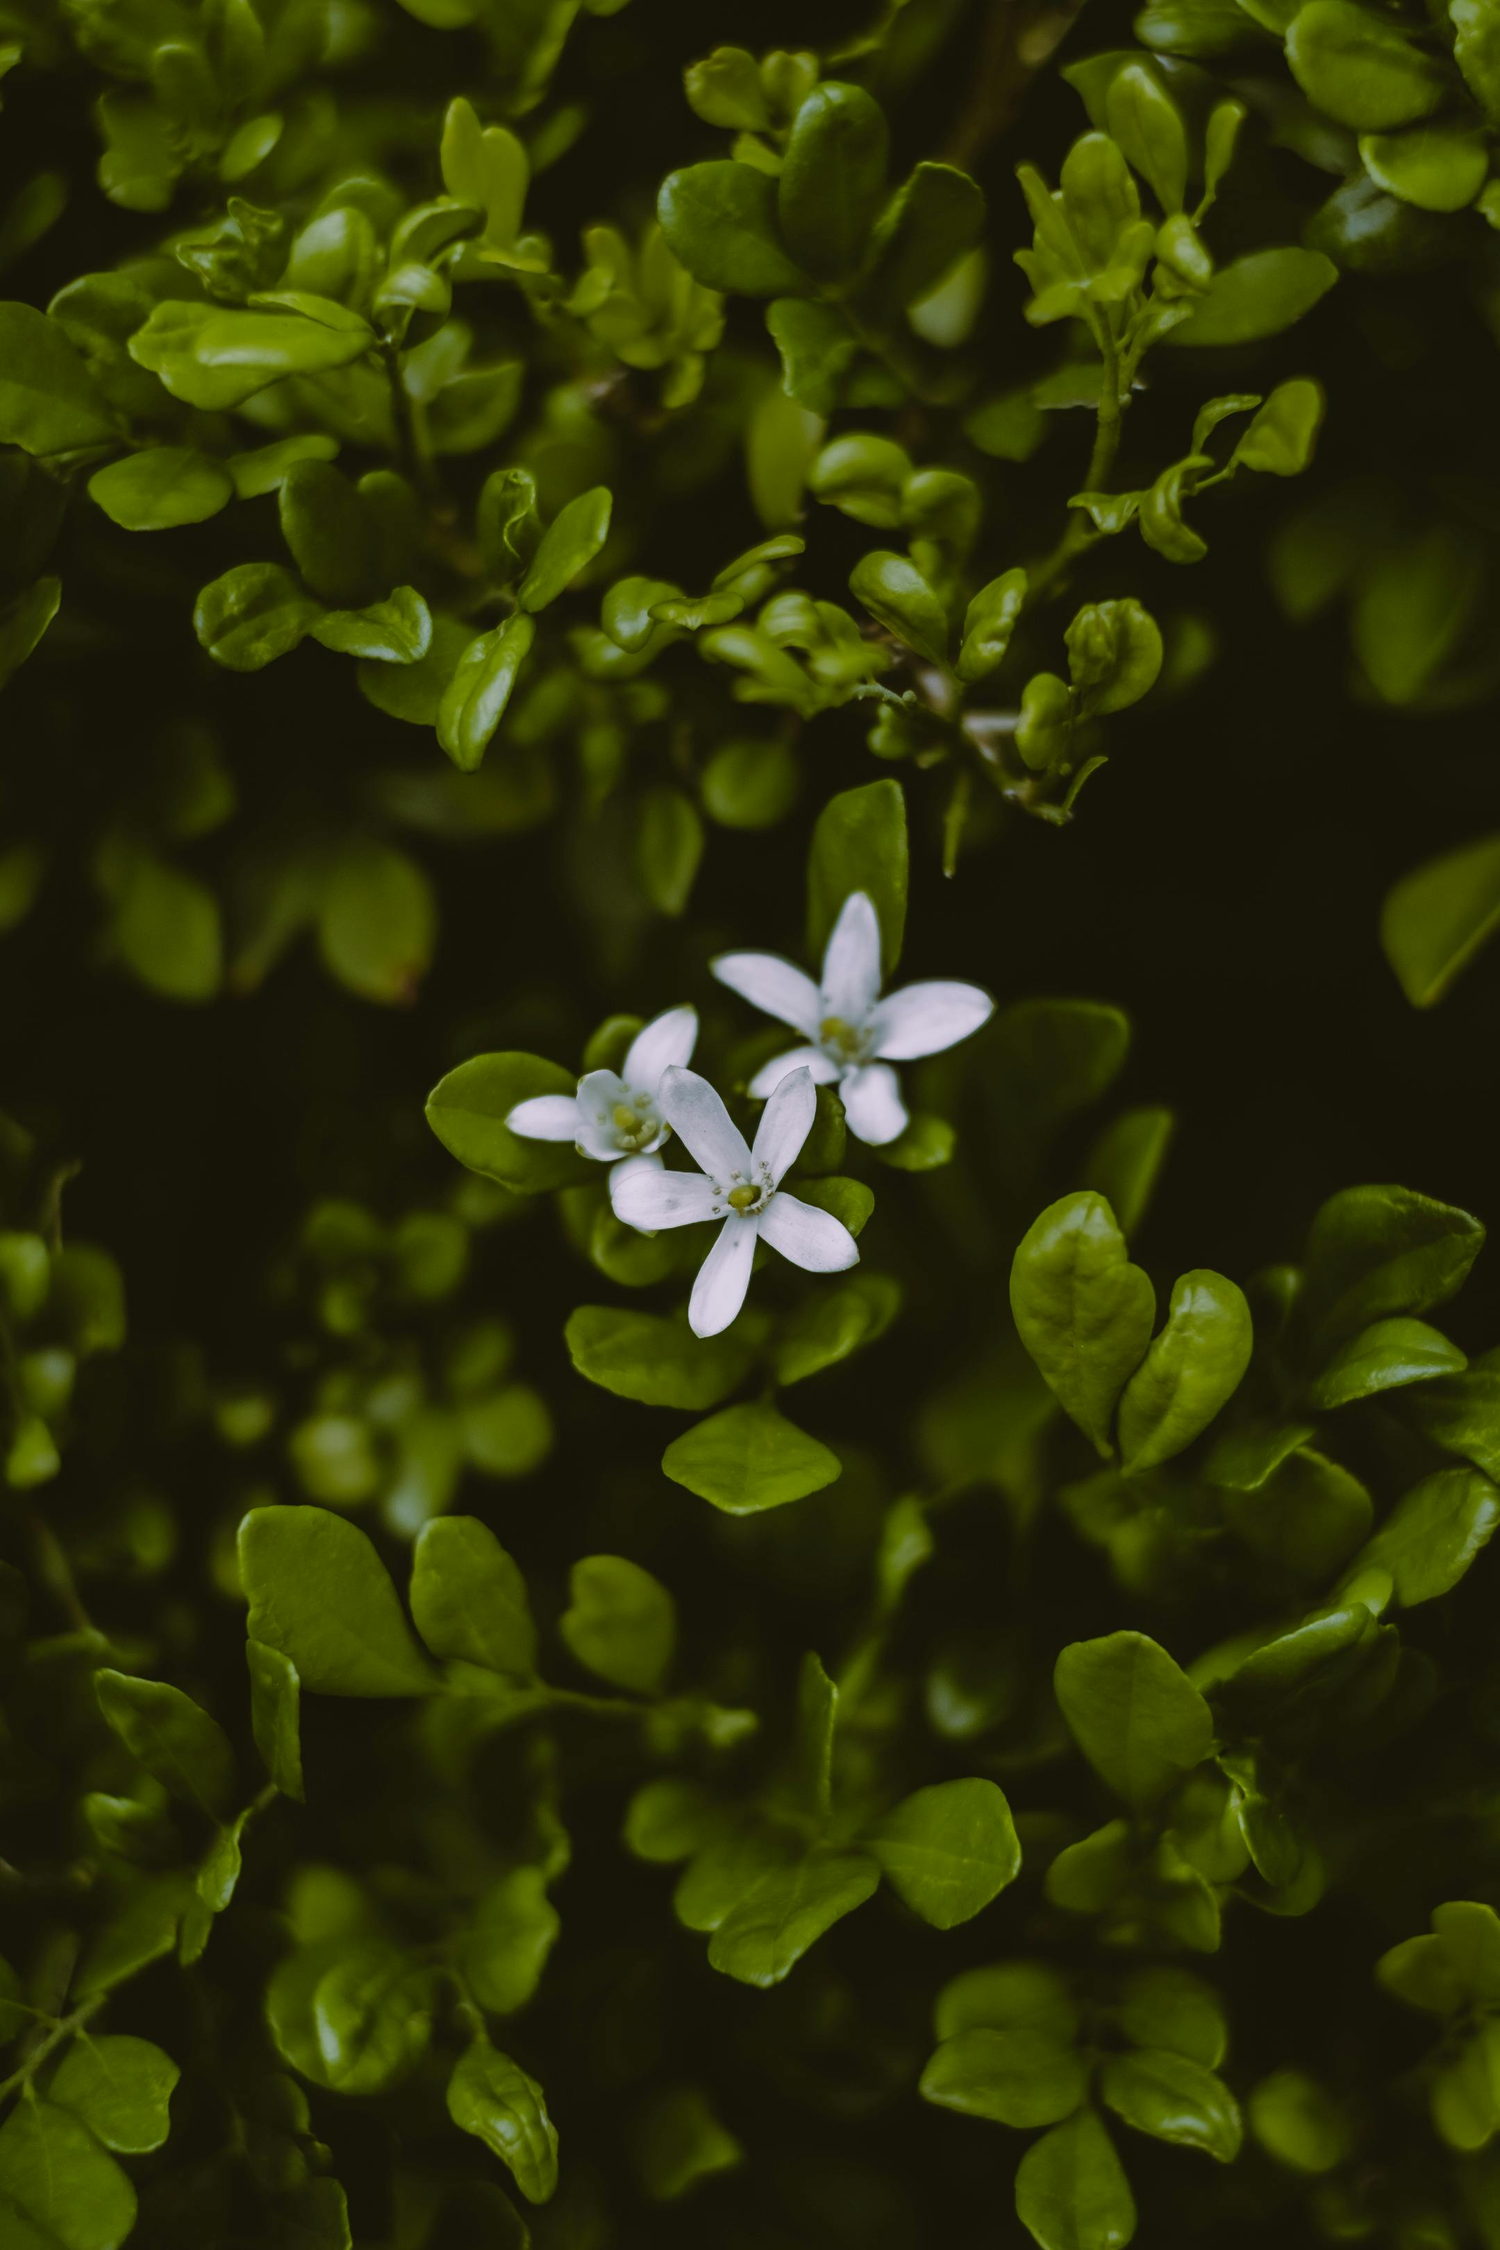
pixel 720 222
pixel 1376 1251
pixel 1436 919
pixel 320 1594
pixel 1071 2189
pixel 468 1599
pixel 173 1737
pixel 1360 67
pixel 120 2087
pixel 1114 655
pixel 1192 1370
pixel 832 179
pixel 67 2193
pixel 788 1909
pixel 834 1324
pixel 1385 1357
pixel 160 488
pixel 1005 1995
pixel 1081 1309
pixel 494 2099
pixel 898 597
pixel 48 399
pixel 1168 2007
pixel 467 1111
pixel 371 2017
pixel 1433 1534
pixel 1135 1714
pixel 569 543
pixel 1124 1163
pixel 1016 2076
pixel 377 921
pixel 622 1623
pixel 253 614
pixel 948 1850
pixel 669 847
pixel 817 350
pixel 935 218
pixel 1261 294
pixel 506 1946
pixel 275 1715
pixel 1298 2123
pixel 1147 126
pixel 749 1458
pixel 656 1362
pixel 217 356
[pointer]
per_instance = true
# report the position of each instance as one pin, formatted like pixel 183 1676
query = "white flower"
pixel 740 1185
pixel 616 1117
pixel 854 1035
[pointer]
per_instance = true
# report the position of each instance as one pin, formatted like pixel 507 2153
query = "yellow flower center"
pixel 846 1038
pixel 743 1198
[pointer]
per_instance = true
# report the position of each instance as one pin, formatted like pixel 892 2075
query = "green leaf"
pixel 1476 50
pixel 1297 2122
pixel 120 2088
pixel 1306 1514
pixel 370 2015
pixel 48 399
pixel 1134 1714
pixel 395 631
pixel 65 2192
pixel 680 2140
pixel 989 622
pixel 415 692
pixel 834 1324
pixel 1169 2007
pixel 275 1715
pixel 1413 604
pixel 377 921
pixel 749 1458
pixel 1147 126
pixel 1044 1061
pixel 328 529
pixel 173 1737
pixel 1125 1161
pixel 669 847
pixel 1385 1357
pixel 1461 1413
pixel 1114 655
pixel 217 356
pixel 1360 68
pixel 494 2099
pixel 1071 2190
pixel 569 544
pixel 859 844
pixel 720 222
pixel 320 1594
pixel 1376 1251
pixel 474 701
pixel 160 488
pixel 1279 442
pixel 948 1850
pixel 1081 1309
pixel 1174 2099
pixel 1436 919
pixel 1007 1995
pixel 1433 1534
pixel 506 1946
pixel 788 1909
pixel 656 1362
pixel 467 1110
pixel 750 785
pixel 935 218
pixel 622 1624
pixel 262 469
pixel 898 597
pixel 817 350
pixel 468 1599
pixel 1261 294
pixel 253 614
pixel 1193 1368
pixel 166 928
pixel 1016 2076
pixel 832 179
pixel 23 621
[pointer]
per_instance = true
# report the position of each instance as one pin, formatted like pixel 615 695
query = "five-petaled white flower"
pixel 616 1116
pixel 854 1035
pixel 740 1185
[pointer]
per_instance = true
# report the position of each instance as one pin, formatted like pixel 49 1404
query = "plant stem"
pixel 54 2039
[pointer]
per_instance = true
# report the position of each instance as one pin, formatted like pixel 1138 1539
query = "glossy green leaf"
pixel 568 545
pixel 1135 1715
pixel 1261 294
pixel 173 1737
pixel 1015 2076
pixel 473 703
pixel 932 221
pixel 835 1323
pixel 1279 442
pixel 898 597
pixel 1027 1995
pixel 319 1593
pixel 1436 167
pixel 1148 127
pixel 1114 655
pixel 720 221
pixel 749 1458
pixel 1359 67
pixel 1376 1251
pixel 494 2099
pixel 789 1908
pixel 49 402
pixel 832 179
pixel 1433 1534
pixel 622 1623
pixel 467 1110
pixel 817 350
pixel 859 844
pixel 165 486
pixel 468 1599
pixel 275 1715
pixel 1168 2007
pixel 120 2087
pixel 329 532
pixel 1307 1514
pixel 1174 2099
pixel 1385 1357
pixel 1192 1370
pixel 64 2191
pixel 1071 2189
pixel 217 356
pixel 253 614
pixel 507 1943
pixel 1081 1309
pixel 948 1850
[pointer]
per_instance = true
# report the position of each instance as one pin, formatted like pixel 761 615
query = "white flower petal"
pixel 769 1076
pixel 646 1195
pixel 873 1108
pixel 703 1125
pixel 666 1040
pixel 598 1096
pixel 723 1277
pixel 768 982
pixel 785 1123
pixel 851 965
pixel 922 1019
pixel 546 1117
pixel 812 1239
